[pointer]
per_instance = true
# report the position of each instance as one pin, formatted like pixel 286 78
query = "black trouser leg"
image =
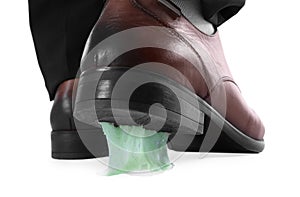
pixel 60 29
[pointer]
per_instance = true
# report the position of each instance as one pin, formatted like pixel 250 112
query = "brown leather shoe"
pixel 144 52
pixel 66 143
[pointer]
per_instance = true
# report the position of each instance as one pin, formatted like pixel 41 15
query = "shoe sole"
pixel 94 96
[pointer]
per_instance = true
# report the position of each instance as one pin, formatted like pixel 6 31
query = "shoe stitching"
pixel 223 79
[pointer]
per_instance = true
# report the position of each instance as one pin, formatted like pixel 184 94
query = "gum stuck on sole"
pixel 133 149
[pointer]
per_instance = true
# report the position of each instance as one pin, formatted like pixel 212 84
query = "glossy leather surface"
pixel 180 35
pixel 61 116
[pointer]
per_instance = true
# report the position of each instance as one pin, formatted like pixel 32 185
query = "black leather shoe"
pixel 65 139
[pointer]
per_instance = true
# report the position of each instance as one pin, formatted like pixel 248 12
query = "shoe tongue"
pixel 192 10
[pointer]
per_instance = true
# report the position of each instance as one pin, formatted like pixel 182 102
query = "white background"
pixel 262 46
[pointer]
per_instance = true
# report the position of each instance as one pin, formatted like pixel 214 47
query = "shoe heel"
pixel 156 102
pixel 86 142
pixel 136 97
